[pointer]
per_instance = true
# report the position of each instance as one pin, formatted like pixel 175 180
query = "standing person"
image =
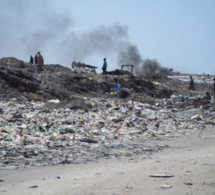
pixel 40 63
pixel 35 59
pixel 192 85
pixel 104 67
pixel 31 60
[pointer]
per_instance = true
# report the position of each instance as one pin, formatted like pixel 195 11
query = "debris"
pixel 124 92
pixel 74 118
pixel 197 117
pixel 164 175
pixel 56 101
pixel 166 186
pixel 188 183
pixel 33 187
pixel 91 141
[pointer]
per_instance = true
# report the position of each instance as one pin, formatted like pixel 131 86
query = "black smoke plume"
pixel 31 26
pixel 129 55
pixel 152 67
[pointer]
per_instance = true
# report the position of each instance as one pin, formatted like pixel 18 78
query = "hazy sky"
pixel 179 34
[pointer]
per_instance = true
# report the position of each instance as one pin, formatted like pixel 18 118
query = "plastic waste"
pixel 197 117
pixel 118 87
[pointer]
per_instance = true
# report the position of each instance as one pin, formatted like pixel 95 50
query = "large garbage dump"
pixel 68 118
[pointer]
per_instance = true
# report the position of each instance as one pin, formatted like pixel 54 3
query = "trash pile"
pixel 37 133
pixel 62 117
pixel 19 80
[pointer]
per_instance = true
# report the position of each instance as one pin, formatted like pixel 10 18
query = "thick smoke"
pixel 103 40
pixel 129 55
pixel 152 66
pixel 53 27
pixel 31 26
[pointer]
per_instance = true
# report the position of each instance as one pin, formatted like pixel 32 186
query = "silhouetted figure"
pixel 192 85
pixel 104 67
pixel 40 62
pixel 35 59
pixel 31 60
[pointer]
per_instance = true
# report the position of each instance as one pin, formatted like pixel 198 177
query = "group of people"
pixel 38 61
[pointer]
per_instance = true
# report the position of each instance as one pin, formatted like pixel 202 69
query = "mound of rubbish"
pixel 20 80
pixel 80 117
pixel 35 133
pixel 119 72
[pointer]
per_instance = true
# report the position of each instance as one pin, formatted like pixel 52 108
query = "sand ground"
pixel 189 158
